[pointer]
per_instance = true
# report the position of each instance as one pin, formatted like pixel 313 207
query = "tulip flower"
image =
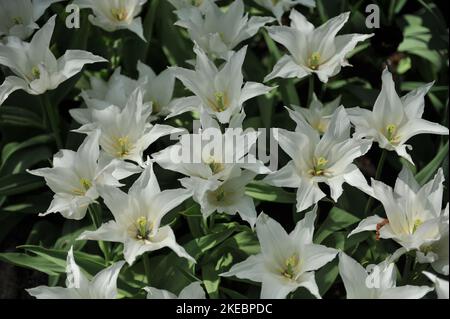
pixel 394 120
pixel 318 160
pixel 191 291
pixel 286 261
pixel 379 283
pixel 219 92
pixel 78 286
pixel 137 217
pixel 414 217
pixel 76 176
pixel 115 15
pixel 218 32
pixel 18 18
pixel 35 68
pixel 313 50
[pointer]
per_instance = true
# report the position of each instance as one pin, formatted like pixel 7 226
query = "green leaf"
pixel 430 169
pixel 14 184
pixel 268 193
pixel 211 272
pixel 38 263
pixel 18 116
pixel 326 276
pixel 92 264
pixel 337 219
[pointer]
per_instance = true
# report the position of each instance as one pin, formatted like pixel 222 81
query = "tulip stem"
pixel 407 268
pixel 53 118
pixel 96 220
pixel 310 90
pixel 146 262
pixel 377 177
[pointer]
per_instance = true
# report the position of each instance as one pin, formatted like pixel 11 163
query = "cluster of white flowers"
pixel 118 122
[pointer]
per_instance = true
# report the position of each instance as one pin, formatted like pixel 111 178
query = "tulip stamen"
pixel 85 186
pixel 120 14
pixel 319 165
pixel 220 102
pixel 314 61
pixel 378 227
pixel 17 20
pixel 291 267
pixel 35 73
pixel 141 229
pixel 391 134
pixel 123 145
pixel 416 225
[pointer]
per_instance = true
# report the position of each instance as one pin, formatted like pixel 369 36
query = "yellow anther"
pixel 35 72
pixel 143 228
pixel 417 223
pixel 123 146
pixel 322 127
pixel 219 103
pixel 314 61
pixel 391 134
pixel 215 167
pixel 17 20
pixel 85 186
pixel 291 265
pixel 120 14
pixel 319 166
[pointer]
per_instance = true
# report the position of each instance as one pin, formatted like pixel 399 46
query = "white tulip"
pixel 18 18
pixel 279 7
pixel 378 283
pixel 220 92
pixel 318 115
pixel 317 160
pixel 313 50
pixel 394 120
pixel 35 68
pixel 78 286
pixel 286 261
pixel 76 176
pixel 223 196
pixel 191 291
pixel 414 217
pixel 112 15
pixel 212 155
pixel 157 92
pixel 218 32
pixel 126 132
pixel 137 217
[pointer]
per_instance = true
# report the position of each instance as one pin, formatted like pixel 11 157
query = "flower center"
pixel 416 225
pixel 319 164
pixel 291 267
pixel 141 229
pixel 214 165
pixel 120 14
pixel 321 127
pixel 391 134
pixel 35 73
pixel 314 61
pixel 220 102
pixel 156 107
pixel 85 185
pixel 123 146
pixel 17 20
